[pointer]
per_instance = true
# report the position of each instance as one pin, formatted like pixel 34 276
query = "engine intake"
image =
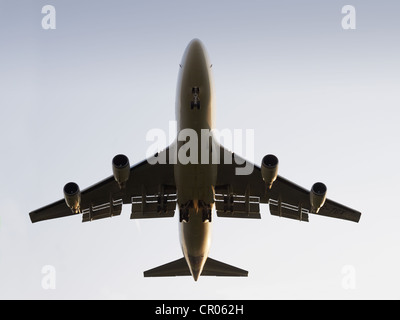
pixel 317 196
pixel 269 169
pixel 121 169
pixel 72 196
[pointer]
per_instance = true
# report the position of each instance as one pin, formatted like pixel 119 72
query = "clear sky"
pixel 325 100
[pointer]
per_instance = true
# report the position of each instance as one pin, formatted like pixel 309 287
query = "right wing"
pixel 150 189
pixel 239 196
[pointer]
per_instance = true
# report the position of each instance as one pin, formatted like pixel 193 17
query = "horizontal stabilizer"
pixel 220 269
pixel 173 269
pixel 211 268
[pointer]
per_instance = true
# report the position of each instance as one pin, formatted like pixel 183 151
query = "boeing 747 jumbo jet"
pixel 221 180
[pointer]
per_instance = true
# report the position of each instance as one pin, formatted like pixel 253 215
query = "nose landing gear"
pixel 196 99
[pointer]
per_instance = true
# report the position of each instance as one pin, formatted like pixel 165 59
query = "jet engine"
pixel 317 196
pixel 72 196
pixel 269 170
pixel 121 169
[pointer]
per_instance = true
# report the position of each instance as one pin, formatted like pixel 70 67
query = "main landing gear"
pixel 205 209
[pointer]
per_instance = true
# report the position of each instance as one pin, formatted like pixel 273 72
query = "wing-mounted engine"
pixel 121 169
pixel 72 196
pixel 269 170
pixel 113 207
pixel 317 196
pixel 300 211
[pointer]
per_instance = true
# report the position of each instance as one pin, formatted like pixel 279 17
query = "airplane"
pixel 158 185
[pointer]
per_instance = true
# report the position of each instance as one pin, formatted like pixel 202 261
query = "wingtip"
pixel 32 217
pixel 356 217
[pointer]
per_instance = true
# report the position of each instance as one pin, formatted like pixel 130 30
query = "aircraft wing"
pixel 239 196
pixel 150 189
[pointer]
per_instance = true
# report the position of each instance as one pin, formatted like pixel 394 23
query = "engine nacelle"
pixel 317 196
pixel 269 170
pixel 121 169
pixel 72 196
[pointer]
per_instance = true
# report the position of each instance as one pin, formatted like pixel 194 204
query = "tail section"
pixel 211 268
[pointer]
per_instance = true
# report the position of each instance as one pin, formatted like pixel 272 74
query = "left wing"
pixel 239 196
pixel 150 189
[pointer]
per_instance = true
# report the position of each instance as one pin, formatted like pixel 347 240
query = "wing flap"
pixel 237 206
pixel 161 205
pixel 285 210
pixel 107 210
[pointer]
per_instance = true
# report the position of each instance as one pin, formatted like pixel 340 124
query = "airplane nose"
pixel 195 46
pixel 195 54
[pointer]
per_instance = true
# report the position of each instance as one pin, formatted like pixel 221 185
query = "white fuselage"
pixel 195 180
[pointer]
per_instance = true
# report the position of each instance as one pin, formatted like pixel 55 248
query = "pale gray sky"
pixel 323 99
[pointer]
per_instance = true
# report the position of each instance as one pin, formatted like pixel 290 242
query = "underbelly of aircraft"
pixel 195 182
